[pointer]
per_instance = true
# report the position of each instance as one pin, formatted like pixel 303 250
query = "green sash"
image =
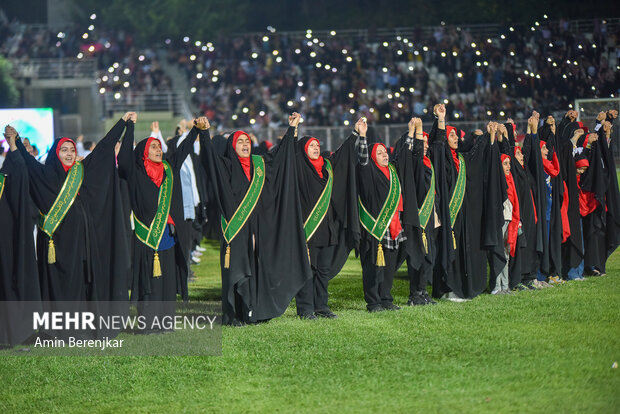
pixel 458 195
pixel 151 235
pixel 231 228
pixel 376 227
pixel 426 210
pixel 319 211
pixel 50 221
pixel 2 176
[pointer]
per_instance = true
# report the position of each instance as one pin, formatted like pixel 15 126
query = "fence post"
pixel 329 139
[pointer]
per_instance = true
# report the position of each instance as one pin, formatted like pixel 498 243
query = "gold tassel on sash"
pixel 227 257
pixel 453 239
pixel 380 257
pixel 51 252
pixel 425 242
pixel 156 265
pixel 308 249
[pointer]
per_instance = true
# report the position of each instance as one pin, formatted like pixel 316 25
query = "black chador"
pixel 159 260
pixel 386 215
pixel 465 239
pixel 19 279
pixel 328 199
pixel 81 243
pixel 572 246
pixel 524 264
pixel 264 259
pixel 421 251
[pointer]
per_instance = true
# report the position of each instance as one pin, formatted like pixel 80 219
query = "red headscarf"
pixel 587 201
pixel 552 168
pixel 531 192
pixel 318 163
pixel 513 226
pixel 427 161
pixel 155 170
pixel 62 141
pixel 583 162
pixel 244 161
pixel 455 157
pixel 395 226
pixel 582 126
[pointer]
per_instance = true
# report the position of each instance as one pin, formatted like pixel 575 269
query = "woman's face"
pixel 243 147
pixel 519 157
pixel 425 145
pixel 506 166
pixel 453 139
pixel 155 152
pixel 314 150
pixel 67 154
pixel 382 156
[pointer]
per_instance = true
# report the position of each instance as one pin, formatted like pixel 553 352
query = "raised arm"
pixel 177 158
pixel 125 155
pixel 361 127
pixel 35 168
pixel 104 150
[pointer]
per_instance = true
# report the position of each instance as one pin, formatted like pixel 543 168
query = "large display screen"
pixel 36 124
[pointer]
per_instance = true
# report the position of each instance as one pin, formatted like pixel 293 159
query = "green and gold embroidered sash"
pixel 458 195
pixel 426 210
pixel 231 228
pixel 151 235
pixel 50 221
pixel 2 177
pixel 318 213
pixel 377 227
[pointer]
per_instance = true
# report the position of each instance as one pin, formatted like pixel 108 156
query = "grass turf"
pixel 549 350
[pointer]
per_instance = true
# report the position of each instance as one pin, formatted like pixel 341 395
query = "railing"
pixel 55 68
pixel 578 26
pixel 332 136
pixel 143 102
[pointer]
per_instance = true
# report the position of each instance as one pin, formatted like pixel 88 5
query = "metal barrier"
pixel 490 29
pixel 58 68
pixel 143 102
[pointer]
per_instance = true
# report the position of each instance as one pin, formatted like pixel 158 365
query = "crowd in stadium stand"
pixel 389 80
pixel 259 79
pixel 122 66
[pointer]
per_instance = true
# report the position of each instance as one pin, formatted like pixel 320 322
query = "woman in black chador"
pixel 159 261
pixel 328 194
pixel 81 242
pixel 264 258
pixel 19 279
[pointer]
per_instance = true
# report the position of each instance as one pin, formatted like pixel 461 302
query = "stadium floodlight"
pixel 193 89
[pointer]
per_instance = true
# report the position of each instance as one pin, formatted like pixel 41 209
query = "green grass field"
pixel 535 351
